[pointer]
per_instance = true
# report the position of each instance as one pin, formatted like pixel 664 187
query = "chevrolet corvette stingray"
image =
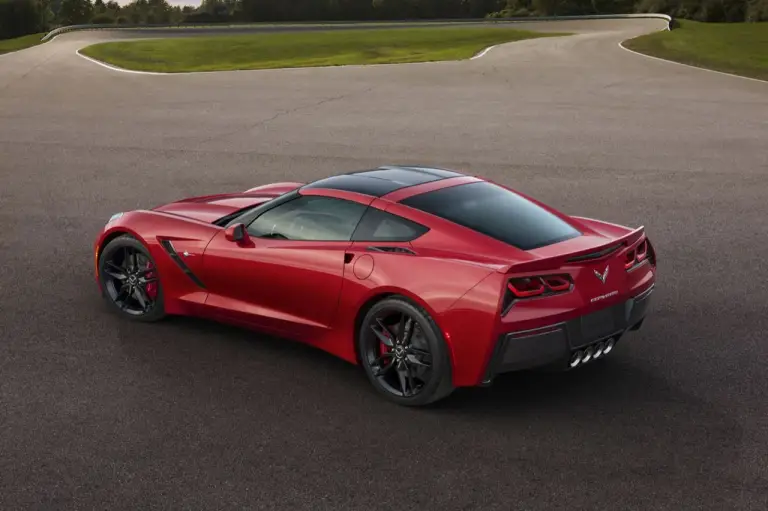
pixel 429 279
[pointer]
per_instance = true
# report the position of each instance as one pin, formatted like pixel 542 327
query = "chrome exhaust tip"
pixel 576 359
pixel 588 353
pixel 609 344
pixel 599 350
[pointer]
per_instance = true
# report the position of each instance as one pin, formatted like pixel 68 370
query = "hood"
pixel 212 207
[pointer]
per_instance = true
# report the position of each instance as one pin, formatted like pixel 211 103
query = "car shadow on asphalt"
pixel 617 382
pixel 622 406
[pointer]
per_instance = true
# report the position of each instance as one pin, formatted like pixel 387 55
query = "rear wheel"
pixel 404 353
pixel 129 280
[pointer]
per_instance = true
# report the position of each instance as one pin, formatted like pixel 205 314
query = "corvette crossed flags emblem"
pixel 602 276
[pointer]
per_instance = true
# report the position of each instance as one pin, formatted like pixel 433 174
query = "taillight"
pixel 557 283
pixel 527 287
pixel 629 259
pixel 521 288
pixel 639 254
pixel 651 253
pixel 642 251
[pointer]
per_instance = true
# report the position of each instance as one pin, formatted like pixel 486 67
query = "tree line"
pixel 21 17
pixel 698 10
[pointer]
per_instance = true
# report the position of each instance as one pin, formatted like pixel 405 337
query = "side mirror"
pixel 236 233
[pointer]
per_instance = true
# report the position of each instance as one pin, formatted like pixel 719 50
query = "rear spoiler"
pixel 589 254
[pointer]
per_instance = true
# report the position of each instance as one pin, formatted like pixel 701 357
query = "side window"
pixel 378 225
pixel 309 218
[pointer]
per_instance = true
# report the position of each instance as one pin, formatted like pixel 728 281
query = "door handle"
pixel 348 257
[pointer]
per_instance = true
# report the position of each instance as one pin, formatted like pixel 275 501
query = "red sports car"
pixel 428 278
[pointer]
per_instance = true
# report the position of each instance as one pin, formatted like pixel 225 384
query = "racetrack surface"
pixel 101 413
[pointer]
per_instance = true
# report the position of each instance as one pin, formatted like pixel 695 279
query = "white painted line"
pixel 115 68
pixel 184 73
pixel 621 45
pixel 482 53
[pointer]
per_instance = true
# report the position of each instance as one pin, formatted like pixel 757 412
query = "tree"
pixel 75 12
pixel 757 10
pixel 22 17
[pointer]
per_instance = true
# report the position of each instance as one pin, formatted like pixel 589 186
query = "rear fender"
pixel 472 325
pixel 434 284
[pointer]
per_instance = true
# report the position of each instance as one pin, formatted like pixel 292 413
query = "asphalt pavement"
pixel 99 413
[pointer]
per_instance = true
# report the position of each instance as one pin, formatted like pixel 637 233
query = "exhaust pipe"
pixel 576 359
pixel 599 349
pixel 608 346
pixel 588 353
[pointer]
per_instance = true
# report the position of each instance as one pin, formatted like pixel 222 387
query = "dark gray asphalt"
pixel 96 413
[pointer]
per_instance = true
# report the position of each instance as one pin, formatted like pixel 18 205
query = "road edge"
pixel 621 45
pixel 72 28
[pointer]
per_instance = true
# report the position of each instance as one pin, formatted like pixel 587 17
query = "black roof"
pixel 383 180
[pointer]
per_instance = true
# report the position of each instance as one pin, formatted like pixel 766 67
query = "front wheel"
pixel 130 281
pixel 404 353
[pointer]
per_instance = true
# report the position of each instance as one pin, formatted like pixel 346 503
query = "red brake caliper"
pixel 383 348
pixel 152 286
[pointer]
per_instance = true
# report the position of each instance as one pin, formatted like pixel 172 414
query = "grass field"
pixel 738 48
pixel 19 43
pixel 304 49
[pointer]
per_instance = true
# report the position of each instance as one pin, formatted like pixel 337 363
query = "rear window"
pixel 378 225
pixel 496 212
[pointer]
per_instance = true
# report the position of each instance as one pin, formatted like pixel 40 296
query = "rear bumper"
pixel 555 344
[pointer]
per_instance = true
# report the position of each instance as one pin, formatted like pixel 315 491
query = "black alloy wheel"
pixel 404 353
pixel 130 281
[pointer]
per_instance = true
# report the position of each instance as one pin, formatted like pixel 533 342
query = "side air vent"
pixel 395 250
pixel 596 255
pixel 168 246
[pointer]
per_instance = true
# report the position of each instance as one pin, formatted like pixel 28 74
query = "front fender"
pixel 151 228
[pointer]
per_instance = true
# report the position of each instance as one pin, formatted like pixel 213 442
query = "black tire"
pixel 130 307
pixel 403 362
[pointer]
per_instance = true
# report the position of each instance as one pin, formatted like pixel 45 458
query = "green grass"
pixel 738 48
pixel 19 43
pixel 303 49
